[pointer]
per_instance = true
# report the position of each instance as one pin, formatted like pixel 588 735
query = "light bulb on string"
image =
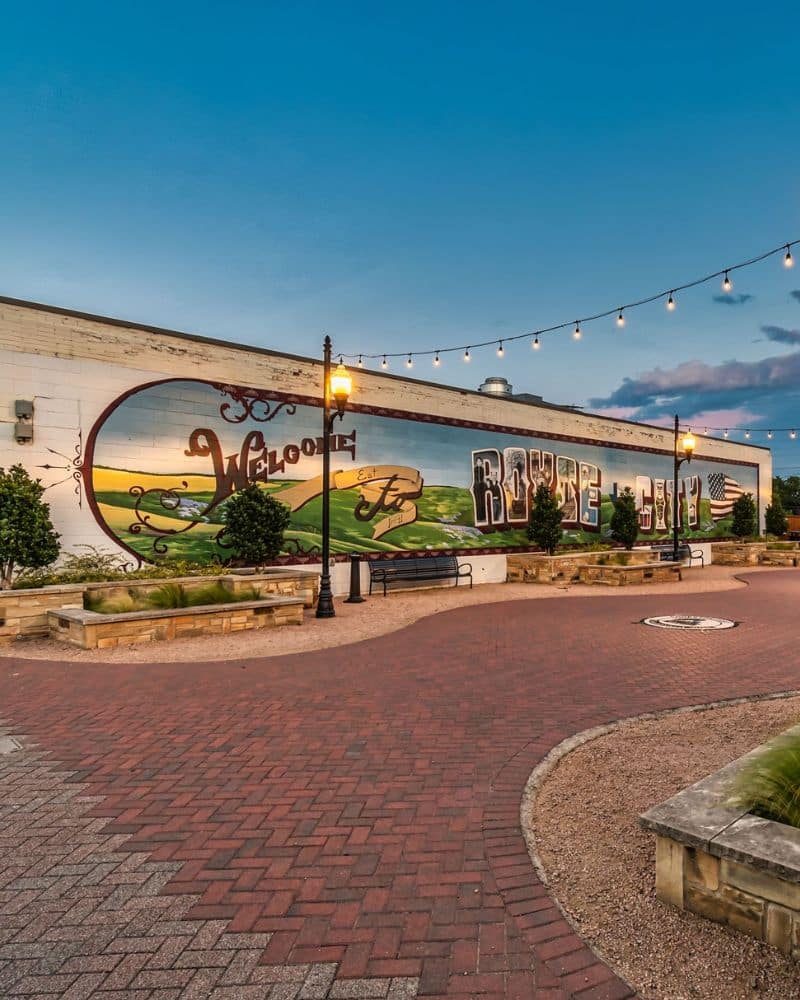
pixel 792 435
pixel 466 355
pixel 620 319
pixel 725 433
pixel 576 333
pixel 360 361
pixel 671 303
pixel 747 434
pixel 769 435
pixel 384 363
pixel 536 345
pixel 788 260
pixel 727 284
pixel 500 350
pixel 409 362
pixel 436 361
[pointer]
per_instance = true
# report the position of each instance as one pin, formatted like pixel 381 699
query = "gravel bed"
pixel 600 865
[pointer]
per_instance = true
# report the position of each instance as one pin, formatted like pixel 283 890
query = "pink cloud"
pixel 734 417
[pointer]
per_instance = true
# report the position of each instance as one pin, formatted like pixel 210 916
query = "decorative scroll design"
pixel 293 547
pixel 169 499
pixel 73 468
pixel 255 404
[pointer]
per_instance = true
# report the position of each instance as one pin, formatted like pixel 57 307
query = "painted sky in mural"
pixel 167 458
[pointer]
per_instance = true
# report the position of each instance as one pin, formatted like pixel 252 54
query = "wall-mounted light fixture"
pixel 23 428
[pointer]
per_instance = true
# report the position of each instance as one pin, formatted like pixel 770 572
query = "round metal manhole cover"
pixel 694 622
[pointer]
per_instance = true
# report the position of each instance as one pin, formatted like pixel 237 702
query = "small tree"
pixel 254 525
pixel 544 527
pixel 625 519
pixel 744 516
pixel 775 516
pixel 27 537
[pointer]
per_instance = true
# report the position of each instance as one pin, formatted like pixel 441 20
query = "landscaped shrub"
pixel 744 516
pixel 254 525
pixel 544 527
pixel 769 785
pixel 625 519
pixel 775 517
pixel 27 537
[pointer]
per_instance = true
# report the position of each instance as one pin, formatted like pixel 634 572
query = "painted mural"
pixel 164 460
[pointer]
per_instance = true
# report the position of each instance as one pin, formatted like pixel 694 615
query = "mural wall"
pixel 399 483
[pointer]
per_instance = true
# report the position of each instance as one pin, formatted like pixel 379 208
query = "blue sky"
pixel 419 176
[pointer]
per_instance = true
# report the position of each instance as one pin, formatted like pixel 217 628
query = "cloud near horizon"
pixel 739 299
pixel 698 378
pixel 780 335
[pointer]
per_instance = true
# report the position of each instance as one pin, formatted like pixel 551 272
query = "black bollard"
pixel 355 580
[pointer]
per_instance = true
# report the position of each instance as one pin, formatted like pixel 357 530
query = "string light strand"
pixel 618 311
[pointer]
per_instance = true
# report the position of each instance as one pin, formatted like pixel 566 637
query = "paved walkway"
pixel 342 823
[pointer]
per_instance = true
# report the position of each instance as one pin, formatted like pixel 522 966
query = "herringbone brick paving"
pixel 345 821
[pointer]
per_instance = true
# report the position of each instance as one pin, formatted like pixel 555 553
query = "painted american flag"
pixel 723 491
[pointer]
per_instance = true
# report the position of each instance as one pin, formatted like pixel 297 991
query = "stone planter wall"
pixel 538 567
pixel 780 557
pixel 90 630
pixel 727 865
pixel 737 553
pixel 621 576
pixel 23 613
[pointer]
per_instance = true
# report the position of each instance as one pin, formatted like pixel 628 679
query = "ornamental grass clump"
pixel 769 785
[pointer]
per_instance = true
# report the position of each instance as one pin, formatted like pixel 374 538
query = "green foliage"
pixel 255 523
pixel 743 524
pixel 544 527
pixel 789 492
pixel 27 537
pixel 625 519
pixel 782 546
pixel 775 516
pixel 769 785
pixel 168 595
pixel 96 566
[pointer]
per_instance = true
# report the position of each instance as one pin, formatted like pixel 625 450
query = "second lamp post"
pixel 336 387
pixel 687 445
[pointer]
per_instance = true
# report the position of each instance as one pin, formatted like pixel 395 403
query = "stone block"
pixel 761 883
pixel 728 906
pixel 701 868
pixel 779 928
pixel 670 871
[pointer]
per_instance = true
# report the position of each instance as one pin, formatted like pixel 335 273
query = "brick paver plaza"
pixel 343 823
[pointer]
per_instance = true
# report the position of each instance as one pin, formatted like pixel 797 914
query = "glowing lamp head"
pixel 788 260
pixel 727 284
pixel 536 345
pixel 341 387
pixel 620 319
pixel 792 435
pixel 576 333
pixel 671 303
pixel 688 445
pixel 500 350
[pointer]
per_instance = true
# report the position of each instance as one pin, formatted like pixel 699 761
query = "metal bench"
pixel 666 553
pixel 388 571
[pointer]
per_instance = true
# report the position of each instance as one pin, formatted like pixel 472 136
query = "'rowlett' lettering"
pixel 255 461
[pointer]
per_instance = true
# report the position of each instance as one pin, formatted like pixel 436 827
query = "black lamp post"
pixel 337 386
pixel 687 444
